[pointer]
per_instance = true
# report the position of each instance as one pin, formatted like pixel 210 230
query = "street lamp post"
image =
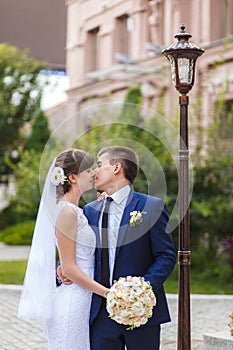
pixel 182 56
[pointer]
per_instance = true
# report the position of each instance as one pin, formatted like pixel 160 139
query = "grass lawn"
pixel 199 286
pixel 199 283
pixel 12 272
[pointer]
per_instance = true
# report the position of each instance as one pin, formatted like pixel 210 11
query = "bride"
pixel 61 222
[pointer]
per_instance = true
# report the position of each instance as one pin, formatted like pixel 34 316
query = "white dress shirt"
pixel 115 214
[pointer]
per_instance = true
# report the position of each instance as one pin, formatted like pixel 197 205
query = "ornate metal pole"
pixel 182 56
pixel 184 340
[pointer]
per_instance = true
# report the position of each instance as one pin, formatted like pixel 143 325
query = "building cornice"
pixel 69 2
pixel 98 88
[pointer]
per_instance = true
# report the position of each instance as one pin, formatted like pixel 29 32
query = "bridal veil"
pixel 40 279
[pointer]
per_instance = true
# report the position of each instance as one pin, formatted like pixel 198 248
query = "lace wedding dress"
pixel 68 328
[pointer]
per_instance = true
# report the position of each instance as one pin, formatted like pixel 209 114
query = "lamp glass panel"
pixel 185 70
pixel 173 67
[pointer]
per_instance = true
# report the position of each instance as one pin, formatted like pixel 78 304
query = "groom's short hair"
pixel 126 156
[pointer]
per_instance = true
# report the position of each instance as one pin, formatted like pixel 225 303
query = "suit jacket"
pixel 146 249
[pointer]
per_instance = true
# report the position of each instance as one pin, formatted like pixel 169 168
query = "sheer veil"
pixel 40 279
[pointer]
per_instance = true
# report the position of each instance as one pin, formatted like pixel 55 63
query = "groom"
pixel 145 249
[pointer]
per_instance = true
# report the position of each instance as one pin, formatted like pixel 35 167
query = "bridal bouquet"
pixel 130 301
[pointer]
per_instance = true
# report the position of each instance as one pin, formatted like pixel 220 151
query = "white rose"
pixel 136 281
pixel 136 291
pixel 138 309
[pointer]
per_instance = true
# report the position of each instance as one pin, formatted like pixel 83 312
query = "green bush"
pixel 23 205
pixel 18 234
pixel 8 216
pixel 212 216
pixel 40 133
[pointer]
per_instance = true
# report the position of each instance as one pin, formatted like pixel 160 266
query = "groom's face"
pixel 104 173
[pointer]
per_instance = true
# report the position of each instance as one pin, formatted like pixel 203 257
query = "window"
pixel 124 28
pixel 227 8
pixel 222 10
pixel 92 50
pixel 226 121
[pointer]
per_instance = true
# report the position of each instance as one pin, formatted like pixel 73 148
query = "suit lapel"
pixel 130 206
pixel 98 209
pixel 95 226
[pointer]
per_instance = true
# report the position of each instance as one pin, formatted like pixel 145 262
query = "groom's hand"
pixel 62 277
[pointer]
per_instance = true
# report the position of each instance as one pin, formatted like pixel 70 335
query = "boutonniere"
pixel 101 196
pixel 136 217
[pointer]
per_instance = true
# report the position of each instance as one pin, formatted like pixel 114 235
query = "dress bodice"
pixel 86 240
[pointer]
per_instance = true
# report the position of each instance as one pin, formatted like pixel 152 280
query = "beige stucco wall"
pixel 155 22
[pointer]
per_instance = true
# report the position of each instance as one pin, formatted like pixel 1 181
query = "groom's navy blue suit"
pixel 143 250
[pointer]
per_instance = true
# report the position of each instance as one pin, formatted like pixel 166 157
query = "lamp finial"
pixel 182 27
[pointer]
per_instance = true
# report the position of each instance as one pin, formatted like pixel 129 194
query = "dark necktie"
pixel 105 272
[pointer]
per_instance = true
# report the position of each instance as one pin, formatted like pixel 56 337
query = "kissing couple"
pixel 95 246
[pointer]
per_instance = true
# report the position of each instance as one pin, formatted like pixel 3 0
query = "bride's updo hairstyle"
pixel 72 161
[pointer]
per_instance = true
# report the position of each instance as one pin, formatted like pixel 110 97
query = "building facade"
pixel 114 44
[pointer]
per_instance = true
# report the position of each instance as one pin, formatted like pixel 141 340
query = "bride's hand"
pixel 62 277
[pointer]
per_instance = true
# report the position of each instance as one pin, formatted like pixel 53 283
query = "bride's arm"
pixel 66 232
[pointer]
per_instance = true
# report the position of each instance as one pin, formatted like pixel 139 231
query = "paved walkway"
pixel 209 315
pixel 8 252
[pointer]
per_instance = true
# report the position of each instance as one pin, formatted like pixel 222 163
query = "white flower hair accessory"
pixel 136 217
pixel 58 177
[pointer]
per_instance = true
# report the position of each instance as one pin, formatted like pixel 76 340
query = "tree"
pixel 40 132
pixel 19 96
pixel 131 110
pixel 24 202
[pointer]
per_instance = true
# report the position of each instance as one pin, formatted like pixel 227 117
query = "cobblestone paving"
pixel 209 316
pixel 14 333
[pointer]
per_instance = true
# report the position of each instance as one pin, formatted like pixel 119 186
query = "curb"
pixel 14 287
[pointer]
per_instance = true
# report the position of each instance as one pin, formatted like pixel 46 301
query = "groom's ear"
pixel 117 168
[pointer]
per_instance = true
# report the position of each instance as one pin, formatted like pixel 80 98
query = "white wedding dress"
pixel 68 328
